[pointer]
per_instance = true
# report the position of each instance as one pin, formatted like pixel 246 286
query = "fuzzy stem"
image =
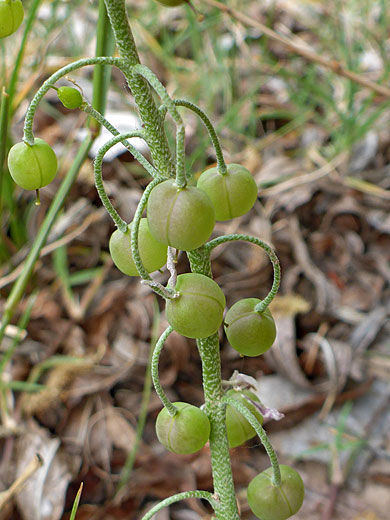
pixel 215 409
pixel 119 222
pixel 153 123
pixel 135 229
pixel 276 479
pixel 152 79
pixel 205 495
pixel 221 165
pixel 28 123
pixel 88 109
pixel 260 307
pixel 172 410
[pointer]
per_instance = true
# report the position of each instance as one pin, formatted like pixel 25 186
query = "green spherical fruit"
pixel 232 194
pixel 198 310
pixel 269 502
pixel 171 3
pixel 250 333
pixel 11 16
pixel 32 167
pixel 70 97
pixel 180 217
pixel 153 254
pixel 238 428
pixel 186 432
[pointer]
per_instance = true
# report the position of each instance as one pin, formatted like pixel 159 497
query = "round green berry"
pixel 249 332
pixel 11 16
pixel 232 194
pixel 70 97
pixel 238 428
pixel 186 432
pixel 171 3
pixel 270 502
pixel 153 254
pixel 32 167
pixel 197 312
pixel 180 217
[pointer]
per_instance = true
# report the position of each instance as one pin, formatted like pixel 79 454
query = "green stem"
pixel 153 123
pixel 28 123
pixel 205 495
pixel 162 291
pixel 119 222
pixel 153 80
pixel 88 109
pixel 209 351
pixel 221 165
pixel 102 74
pixel 260 307
pixel 172 410
pixel 262 435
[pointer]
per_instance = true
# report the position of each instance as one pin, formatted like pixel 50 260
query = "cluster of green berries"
pixel 184 218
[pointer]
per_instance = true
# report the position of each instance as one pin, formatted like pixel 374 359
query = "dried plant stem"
pixel 14 489
pixel 306 53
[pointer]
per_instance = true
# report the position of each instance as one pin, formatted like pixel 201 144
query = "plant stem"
pixel 48 84
pixel 215 408
pixel 205 495
pixel 88 109
pixel 119 222
pixel 151 118
pixel 261 306
pixel 172 410
pixel 154 82
pixel 101 74
pixel 250 417
pixel 221 165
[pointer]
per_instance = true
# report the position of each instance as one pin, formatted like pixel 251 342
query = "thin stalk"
pixel 260 307
pixel 119 222
pixel 150 116
pixel 101 75
pixel 205 495
pixel 134 237
pixel 276 479
pixel 48 84
pixel 88 109
pixel 221 165
pixel 172 410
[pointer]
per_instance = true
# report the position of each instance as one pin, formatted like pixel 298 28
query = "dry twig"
pixel 306 53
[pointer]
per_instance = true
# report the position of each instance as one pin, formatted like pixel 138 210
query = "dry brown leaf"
pixel 43 496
